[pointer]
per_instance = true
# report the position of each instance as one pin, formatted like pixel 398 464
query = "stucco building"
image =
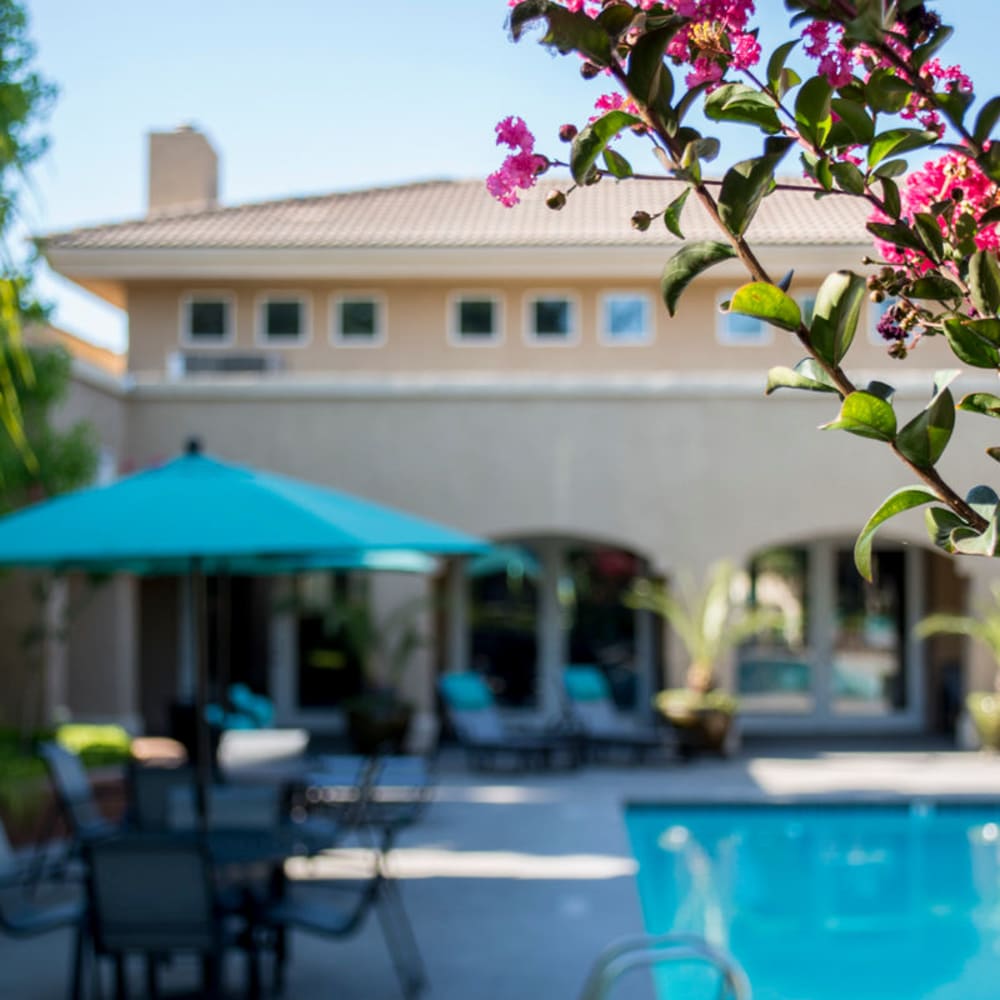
pixel 512 373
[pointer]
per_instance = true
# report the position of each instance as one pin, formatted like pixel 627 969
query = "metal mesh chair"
pixel 153 896
pixel 21 916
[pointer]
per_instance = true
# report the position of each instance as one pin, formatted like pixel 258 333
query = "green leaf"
pixel 981 402
pixel 967 346
pixel 898 140
pixel 901 500
pixel 736 102
pixel 616 164
pixel 566 31
pixel 687 264
pixel 649 78
pixel 891 169
pixel 672 213
pixel 855 118
pixel 592 140
pixel 994 453
pixel 890 198
pixel 984 282
pixel 930 233
pixel 941 35
pixel 866 415
pixel 986 120
pixel 936 287
pixel 836 314
pixel 777 62
pixel 615 18
pixel 744 187
pixel 898 233
pixel 986 329
pixel 848 177
pixel 941 522
pixel 812 109
pixel 885 91
pixel 989 162
pixel 769 303
pixel 807 374
pixel 924 439
pixel 966 540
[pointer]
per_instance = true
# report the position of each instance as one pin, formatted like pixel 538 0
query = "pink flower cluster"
pixel 715 39
pixel 953 177
pixel 824 43
pixel 521 168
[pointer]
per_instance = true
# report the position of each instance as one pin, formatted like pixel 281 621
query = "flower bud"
pixel 567 132
pixel 877 296
pixel 588 70
pixel 641 221
pixel 957 194
pixel 555 200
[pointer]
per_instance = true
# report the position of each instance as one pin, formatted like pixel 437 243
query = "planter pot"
pixel 378 727
pixel 984 710
pixel 701 722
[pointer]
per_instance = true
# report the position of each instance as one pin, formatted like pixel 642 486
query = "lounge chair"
pixel 473 715
pixel 597 722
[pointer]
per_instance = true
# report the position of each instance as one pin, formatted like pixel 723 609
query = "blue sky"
pixel 307 96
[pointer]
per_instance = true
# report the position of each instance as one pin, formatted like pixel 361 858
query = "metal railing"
pixel 647 951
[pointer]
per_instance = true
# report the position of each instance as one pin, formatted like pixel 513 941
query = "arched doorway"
pixel 845 658
pixel 536 604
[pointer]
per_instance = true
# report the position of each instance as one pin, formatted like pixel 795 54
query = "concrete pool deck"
pixel 514 882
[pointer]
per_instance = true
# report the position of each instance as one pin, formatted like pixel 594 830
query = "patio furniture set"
pixel 589 727
pixel 201 870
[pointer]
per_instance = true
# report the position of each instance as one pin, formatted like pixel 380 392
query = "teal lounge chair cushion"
pixel 585 684
pixel 465 692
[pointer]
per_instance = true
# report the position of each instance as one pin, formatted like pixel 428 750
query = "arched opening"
pixel 844 656
pixel 537 604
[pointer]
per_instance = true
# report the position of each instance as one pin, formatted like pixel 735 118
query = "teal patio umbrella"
pixel 196 515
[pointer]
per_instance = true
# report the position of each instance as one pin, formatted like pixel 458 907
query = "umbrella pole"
pixel 199 617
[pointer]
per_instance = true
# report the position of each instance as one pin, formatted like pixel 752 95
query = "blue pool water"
pixel 832 902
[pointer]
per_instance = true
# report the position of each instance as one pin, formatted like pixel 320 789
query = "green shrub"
pixel 94 744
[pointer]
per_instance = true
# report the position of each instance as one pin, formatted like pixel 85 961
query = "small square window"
pixel 207 320
pixel 283 319
pixel 626 319
pixel 358 320
pixel 551 319
pixel 476 319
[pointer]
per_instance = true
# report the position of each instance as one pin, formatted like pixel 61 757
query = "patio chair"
pixel 595 720
pixel 21 916
pixel 74 794
pixel 338 908
pixel 472 712
pixel 154 896
pixel 389 790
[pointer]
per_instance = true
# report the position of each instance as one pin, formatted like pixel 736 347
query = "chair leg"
pixel 152 978
pixel 79 964
pixel 400 940
pixel 211 976
pixel 121 979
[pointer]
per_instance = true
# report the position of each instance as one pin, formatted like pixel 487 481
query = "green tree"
pixel 25 100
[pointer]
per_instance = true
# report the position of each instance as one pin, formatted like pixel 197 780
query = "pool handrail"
pixel 641 951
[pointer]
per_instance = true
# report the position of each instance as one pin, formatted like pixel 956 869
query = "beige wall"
pixel 418 324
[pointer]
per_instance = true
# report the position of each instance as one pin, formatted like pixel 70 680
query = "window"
pixel 625 318
pixel 358 320
pixel 739 330
pixel 475 319
pixel 282 319
pixel 551 319
pixel 207 319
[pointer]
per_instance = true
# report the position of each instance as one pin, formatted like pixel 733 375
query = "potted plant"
pixel 709 624
pixel 378 718
pixel 983 707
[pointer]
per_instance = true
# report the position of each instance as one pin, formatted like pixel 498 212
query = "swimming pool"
pixel 827 902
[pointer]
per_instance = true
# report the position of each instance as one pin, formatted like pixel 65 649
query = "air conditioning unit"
pixel 180 364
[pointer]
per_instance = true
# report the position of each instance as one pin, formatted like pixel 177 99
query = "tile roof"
pixel 461 214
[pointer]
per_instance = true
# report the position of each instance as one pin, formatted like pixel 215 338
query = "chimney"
pixel 183 171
